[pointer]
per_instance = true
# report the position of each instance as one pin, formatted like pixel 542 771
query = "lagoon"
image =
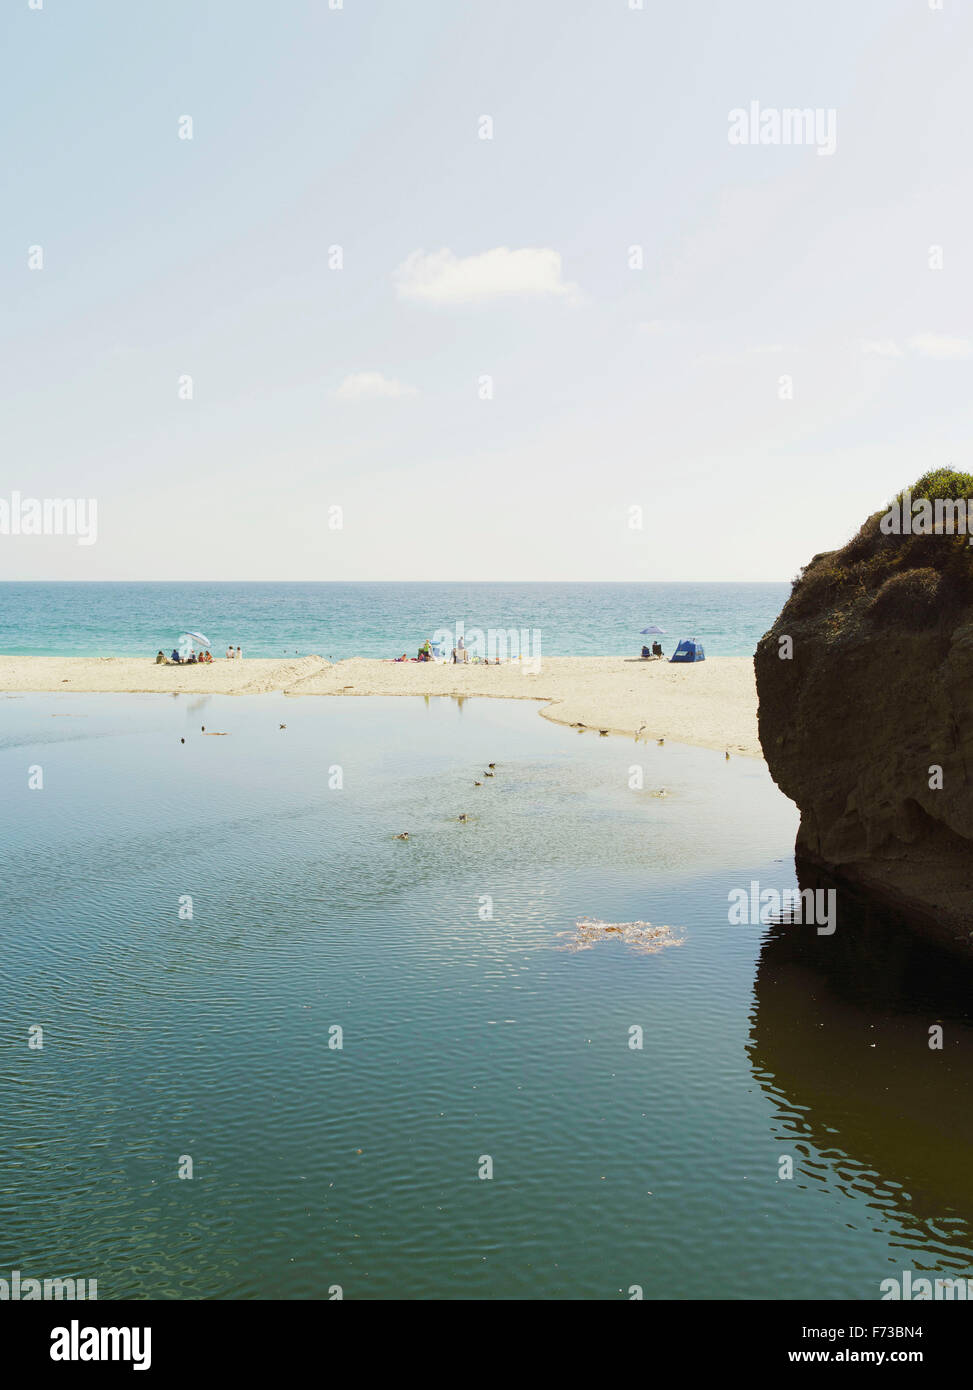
pixel 617 1170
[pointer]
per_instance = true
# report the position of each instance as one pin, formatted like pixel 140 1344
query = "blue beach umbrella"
pixel 651 631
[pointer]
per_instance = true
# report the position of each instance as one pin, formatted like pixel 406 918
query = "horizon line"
pixel 394 581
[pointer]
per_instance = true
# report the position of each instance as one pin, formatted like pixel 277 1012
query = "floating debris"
pixel 641 936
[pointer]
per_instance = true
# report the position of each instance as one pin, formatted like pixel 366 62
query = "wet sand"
pixel 712 704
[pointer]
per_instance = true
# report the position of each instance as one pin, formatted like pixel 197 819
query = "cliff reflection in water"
pixel 840 1040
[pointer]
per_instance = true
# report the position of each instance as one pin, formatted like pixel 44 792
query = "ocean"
pixel 377 620
pixel 284 1053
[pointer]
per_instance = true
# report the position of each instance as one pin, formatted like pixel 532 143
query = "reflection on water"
pixel 612 1087
pixel 841 1036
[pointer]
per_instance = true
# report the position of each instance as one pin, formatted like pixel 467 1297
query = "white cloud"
pixel 881 347
pixel 940 346
pixel 936 345
pixel 372 386
pixel 443 278
pixel 657 325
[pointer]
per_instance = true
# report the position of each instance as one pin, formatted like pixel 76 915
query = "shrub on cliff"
pixel 872 560
pixel 910 598
pixel 943 482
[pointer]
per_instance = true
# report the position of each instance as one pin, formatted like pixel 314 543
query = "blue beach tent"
pixel 689 650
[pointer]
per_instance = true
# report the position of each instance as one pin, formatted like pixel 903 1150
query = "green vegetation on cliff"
pixel 912 579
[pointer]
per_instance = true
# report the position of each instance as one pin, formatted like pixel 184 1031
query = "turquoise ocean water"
pixel 377 620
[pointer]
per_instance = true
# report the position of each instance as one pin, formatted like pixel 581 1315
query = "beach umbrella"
pixel 198 637
pixel 651 631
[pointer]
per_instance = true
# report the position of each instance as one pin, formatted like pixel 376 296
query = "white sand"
pixel 712 704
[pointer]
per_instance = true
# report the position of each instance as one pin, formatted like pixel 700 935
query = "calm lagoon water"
pixel 462 1037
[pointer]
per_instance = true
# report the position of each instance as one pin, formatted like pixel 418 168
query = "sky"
pixel 479 289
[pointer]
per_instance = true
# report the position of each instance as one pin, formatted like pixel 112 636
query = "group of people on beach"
pixel 203 658
pixel 427 653
pixel 461 655
pixel 174 659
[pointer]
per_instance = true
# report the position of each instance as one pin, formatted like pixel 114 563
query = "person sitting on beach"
pixel 656 648
pixel 160 659
pixel 645 653
pixel 239 654
pixel 230 653
pixel 176 657
pixel 425 651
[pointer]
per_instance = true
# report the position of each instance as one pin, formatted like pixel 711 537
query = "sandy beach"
pixel 711 704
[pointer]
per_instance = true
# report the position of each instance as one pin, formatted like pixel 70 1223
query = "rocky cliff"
pixel 865 685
